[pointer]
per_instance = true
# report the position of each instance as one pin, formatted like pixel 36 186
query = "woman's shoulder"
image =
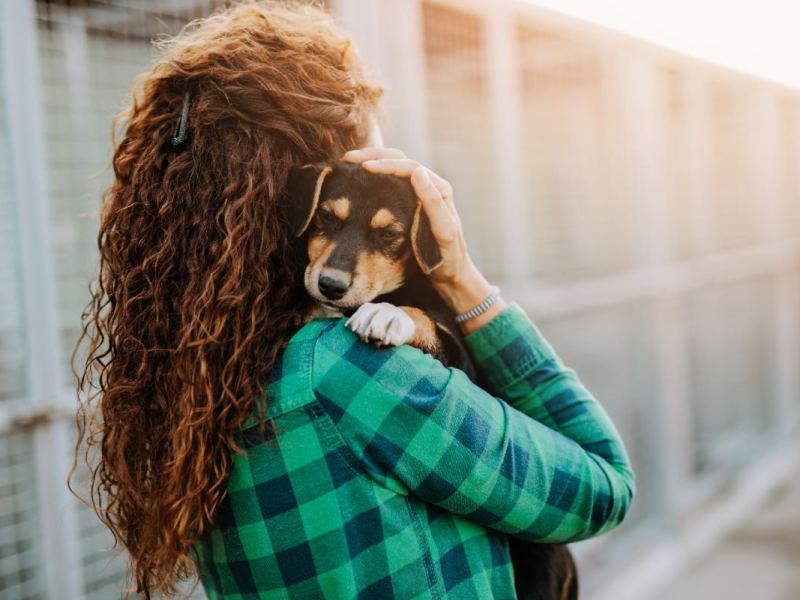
pixel 325 360
pixel 342 363
pixel 334 342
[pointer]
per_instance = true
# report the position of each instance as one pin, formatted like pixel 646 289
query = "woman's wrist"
pixel 465 293
pixel 484 318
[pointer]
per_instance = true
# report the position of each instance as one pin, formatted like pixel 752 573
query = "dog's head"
pixel 362 230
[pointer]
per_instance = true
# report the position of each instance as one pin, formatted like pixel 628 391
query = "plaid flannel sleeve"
pixel 542 461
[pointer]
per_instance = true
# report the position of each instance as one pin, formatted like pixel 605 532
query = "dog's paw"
pixel 382 322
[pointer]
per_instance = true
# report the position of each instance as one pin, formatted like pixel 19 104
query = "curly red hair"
pixel 198 290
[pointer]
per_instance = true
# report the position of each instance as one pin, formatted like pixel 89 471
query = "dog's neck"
pixel 323 311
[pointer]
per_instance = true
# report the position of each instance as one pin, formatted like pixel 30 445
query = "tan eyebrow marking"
pixel 383 218
pixel 339 207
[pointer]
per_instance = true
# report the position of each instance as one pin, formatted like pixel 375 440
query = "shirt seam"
pixel 317 411
pixel 427 559
pixel 514 376
pixel 305 369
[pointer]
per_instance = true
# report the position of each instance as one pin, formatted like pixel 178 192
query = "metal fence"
pixel 643 207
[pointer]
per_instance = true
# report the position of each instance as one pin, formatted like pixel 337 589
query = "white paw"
pixel 383 322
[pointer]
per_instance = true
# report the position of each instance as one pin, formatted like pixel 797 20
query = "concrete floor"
pixel 760 560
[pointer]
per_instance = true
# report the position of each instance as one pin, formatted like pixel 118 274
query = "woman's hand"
pixel 456 279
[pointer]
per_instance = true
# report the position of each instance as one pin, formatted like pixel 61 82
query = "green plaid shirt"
pixel 391 476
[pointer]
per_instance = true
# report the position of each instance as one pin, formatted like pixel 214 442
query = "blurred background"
pixel 642 204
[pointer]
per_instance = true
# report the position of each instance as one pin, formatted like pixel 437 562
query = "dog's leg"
pixel 391 325
pixel 426 336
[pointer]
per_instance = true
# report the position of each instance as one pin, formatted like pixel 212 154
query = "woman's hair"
pixel 198 289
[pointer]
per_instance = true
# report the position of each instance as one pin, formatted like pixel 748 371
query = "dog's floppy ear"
pixel 299 199
pixel 426 249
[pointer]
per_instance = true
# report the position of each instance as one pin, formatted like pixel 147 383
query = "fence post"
pixel 503 68
pixel 637 95
pixel 21 79
pixel 770 188
pixel 389 35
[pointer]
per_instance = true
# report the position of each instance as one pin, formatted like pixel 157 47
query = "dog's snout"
pixel 332 288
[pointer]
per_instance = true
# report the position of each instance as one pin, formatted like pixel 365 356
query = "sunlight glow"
pixel 759 37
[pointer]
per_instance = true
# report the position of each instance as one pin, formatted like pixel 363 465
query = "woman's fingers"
pixel 404 167
pixel 446 189
pixel 371 152
pixel 394 162
pixel 400 166
pixel 444 225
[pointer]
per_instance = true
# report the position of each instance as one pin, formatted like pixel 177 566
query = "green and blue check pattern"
pixel 388 475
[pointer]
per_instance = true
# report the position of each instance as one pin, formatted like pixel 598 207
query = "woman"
pixel 282 459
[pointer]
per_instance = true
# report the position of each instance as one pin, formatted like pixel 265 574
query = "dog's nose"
pixel 332 288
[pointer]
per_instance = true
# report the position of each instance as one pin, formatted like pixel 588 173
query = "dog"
pixel 366 247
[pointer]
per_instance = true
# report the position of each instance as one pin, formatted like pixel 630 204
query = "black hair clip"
pixel 180 133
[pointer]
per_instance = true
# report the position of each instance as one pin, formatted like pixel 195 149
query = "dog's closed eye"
pixel 388 234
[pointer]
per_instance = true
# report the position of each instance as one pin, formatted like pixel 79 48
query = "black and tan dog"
pixel 366 247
